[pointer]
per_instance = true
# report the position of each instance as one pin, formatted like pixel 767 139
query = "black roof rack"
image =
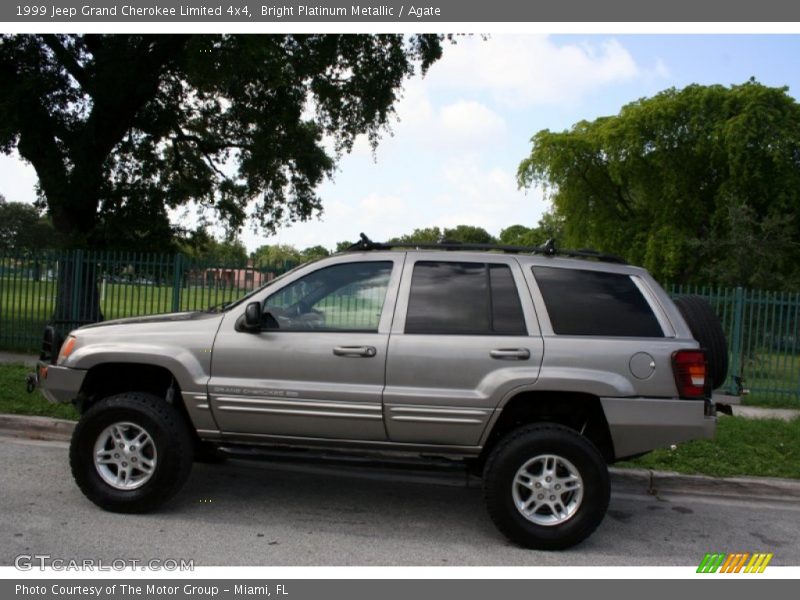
pixel 546 249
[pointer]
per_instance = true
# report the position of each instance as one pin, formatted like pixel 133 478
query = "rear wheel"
pixel 546 486
pixel 131 452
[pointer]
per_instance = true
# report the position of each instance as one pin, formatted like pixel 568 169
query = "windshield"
pixel 249 295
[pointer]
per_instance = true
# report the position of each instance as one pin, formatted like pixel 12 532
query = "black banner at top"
pixel 388 11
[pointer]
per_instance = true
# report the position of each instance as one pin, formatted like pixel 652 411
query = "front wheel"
pixel 131 452
pixel 546 486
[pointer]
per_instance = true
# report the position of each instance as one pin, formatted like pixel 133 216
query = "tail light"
pixel 691 373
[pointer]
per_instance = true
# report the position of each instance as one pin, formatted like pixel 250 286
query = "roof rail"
pixel 546 249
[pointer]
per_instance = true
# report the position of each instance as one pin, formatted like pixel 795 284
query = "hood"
pixel 177 338
pixel 164 318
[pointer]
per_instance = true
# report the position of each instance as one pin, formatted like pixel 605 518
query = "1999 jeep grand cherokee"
pixel 535 369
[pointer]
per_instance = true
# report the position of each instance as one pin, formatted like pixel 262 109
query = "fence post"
pixel 177 281
pixel 77 282
pixel 738 337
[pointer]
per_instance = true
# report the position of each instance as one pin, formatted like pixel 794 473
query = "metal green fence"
pixel 763 328
pixel 127 284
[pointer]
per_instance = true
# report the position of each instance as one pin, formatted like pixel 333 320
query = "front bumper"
pixel 638 425
pixel 57 384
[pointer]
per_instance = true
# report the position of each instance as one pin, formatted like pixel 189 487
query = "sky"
pixel 462 130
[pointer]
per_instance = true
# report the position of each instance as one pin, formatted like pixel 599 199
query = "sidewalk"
pixel 761 412
pixel 29 360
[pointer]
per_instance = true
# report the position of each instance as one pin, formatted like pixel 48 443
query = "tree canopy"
pixel 200 246
pixel 22 227
pixel 549 227
pixel 459 233
pixel 121 128
pixel 700 184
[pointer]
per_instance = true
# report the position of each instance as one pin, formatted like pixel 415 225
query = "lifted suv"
pixel 534 368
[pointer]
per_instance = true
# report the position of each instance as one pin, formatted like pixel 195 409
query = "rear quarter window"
pixel 582 302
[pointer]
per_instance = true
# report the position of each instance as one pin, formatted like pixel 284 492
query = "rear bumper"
pixel 58 384
pixel 639 425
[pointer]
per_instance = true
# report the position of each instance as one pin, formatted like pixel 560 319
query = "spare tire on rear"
pixel 707 330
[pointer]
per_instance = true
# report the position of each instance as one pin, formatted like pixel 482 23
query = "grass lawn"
pixel 763 448
pixel 26 306
pixel 14 398
pixel 771 400
pixel 773 380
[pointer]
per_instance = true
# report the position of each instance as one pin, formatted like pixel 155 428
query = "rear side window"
pixel 464 299
pixel 595 303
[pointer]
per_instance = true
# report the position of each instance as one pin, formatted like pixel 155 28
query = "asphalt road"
pixel 253 513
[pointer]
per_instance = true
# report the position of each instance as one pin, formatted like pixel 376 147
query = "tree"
pixel 469 234
pixel 550 227
pixel 22 227
pixel 276 256
pixel 342 246
pixel 200 246
pixel 427 234
pixel 121 128
pixel 752 251
pixel 517 235
pixel 460 233
pixel 687 183
pixel 314 253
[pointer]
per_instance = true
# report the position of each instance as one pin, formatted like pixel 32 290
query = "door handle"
pixel 510 353
pixel 363 351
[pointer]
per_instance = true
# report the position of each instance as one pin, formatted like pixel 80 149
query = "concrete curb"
pixel 669 482
pixel 36 428
pixel 641 481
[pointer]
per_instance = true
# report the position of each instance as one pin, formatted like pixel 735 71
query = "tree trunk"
pixel 78 297
pixel 74 211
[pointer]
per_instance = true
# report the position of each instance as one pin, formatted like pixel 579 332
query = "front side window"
pixel 346 297
pixel 464 299
pixel 582 302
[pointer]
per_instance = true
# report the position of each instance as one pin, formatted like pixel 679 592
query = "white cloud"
pixel 486 197
pixel 470 121
pixel 377 208
pixel 533 70
pixel 17 179
pixel 661 70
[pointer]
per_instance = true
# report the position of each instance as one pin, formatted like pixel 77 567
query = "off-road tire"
pixel 170 434
pixel 525 443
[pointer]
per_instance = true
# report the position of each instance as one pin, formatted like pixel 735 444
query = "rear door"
pixel 465 333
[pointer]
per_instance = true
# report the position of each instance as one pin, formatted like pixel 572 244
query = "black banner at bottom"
pixel 410 589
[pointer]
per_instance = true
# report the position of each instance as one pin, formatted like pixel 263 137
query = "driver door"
pixel 317 367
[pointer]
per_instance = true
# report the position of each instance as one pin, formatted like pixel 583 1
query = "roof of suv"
pixel 547 249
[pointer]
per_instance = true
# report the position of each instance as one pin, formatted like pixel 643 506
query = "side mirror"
pixel 252 317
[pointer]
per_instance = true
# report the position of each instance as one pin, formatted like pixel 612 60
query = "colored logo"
pixel 740 562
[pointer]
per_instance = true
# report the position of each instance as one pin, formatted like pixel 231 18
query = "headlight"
pixel 66 349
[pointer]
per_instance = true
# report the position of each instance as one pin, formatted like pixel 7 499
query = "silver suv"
pixel 533 368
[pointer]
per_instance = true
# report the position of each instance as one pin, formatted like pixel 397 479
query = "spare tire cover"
pixel 707 330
